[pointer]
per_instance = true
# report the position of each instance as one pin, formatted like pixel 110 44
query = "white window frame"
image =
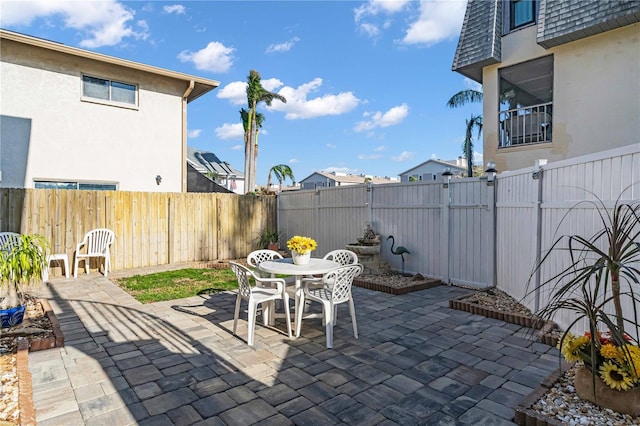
pixel 77 185
pixel 110 102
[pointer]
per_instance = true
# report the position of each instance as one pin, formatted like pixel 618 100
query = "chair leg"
pixel 252 321
pixel 329 327
pixel 236 314
pixel 298 313
pixel 287 313
pixel 352 311
pixel 75 267
pixel 107 265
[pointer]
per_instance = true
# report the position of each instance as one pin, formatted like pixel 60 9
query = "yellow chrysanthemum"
pixel 609 351
pixel 615 377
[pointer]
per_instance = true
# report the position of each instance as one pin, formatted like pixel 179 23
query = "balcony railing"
pixel 528 125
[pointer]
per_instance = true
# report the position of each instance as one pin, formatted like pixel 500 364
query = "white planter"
pixel 300 259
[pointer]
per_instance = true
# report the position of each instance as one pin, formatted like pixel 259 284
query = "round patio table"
pixel 287 267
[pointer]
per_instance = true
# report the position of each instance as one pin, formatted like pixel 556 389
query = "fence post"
pixel 445 228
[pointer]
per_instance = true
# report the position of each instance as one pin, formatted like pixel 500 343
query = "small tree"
pixel 281 172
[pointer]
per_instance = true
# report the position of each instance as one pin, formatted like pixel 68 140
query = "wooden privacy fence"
pixel 448 230
pixel 151 228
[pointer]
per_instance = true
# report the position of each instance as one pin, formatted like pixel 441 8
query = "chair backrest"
pixel 341 279
pixel 8 240
pixel 243 274
pixel 343 257
pixel 98 240
pixel 255 258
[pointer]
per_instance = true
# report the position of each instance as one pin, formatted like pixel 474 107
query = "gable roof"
pixel 204 161
pixel 349 178
pixel 200 85
pixel 444 164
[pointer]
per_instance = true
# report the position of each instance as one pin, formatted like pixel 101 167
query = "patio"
pixel 416 362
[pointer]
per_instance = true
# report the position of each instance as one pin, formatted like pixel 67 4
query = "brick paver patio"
pixel 416 362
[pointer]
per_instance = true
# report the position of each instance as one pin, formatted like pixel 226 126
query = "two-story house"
pixel 75 119
pixel 560 78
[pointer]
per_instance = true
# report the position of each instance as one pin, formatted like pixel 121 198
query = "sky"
pixel 366 82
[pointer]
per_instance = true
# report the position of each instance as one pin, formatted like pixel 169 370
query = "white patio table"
pixel 287 267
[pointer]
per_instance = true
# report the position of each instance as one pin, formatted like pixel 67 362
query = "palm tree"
pixel 464 97
pixel 255 94
pixel 467 145
pixel 281 172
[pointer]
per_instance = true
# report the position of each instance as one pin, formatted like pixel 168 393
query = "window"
pixel 521 12
pixel 526 102
pixel 90 186
pixel 108 90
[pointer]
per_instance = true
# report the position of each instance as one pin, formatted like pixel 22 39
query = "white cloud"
pixel 230 131
pixel 216 57
pixel 378 119
pixel 298 105
pixel 235 92
pixel 194 133
pixel 372 30
pixel 104 23
pixel 369 156
pixel 282 47
pixel 438 20
pixel 293 161
pixel 377 7
pixel 237 147
pixel 478 158
pixel 380 148
pixel 178 9
pixel 340 170
pixel 404 156
pixel 331 146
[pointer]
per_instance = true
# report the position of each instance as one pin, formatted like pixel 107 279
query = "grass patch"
pixel 171 285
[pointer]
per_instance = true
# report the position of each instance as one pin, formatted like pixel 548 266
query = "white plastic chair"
pixel 8 240
pixel 336 290
pixel 97 242
pixel 255 258
pixel 257 295
pixel 341 256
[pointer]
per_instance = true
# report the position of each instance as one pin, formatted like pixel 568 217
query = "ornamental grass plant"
pixel 602 273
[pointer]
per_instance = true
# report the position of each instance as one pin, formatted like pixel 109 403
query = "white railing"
pixel 525 125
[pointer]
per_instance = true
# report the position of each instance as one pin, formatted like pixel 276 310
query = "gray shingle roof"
pixel 563 21
pixel 479 43
pixel 559 22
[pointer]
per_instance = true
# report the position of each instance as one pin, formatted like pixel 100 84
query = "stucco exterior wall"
pixel 68 138
pixel 596 96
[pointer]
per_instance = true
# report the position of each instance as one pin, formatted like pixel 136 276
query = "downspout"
pixel 185 96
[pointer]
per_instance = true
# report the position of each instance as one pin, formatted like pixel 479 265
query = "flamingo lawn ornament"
pixel 400 250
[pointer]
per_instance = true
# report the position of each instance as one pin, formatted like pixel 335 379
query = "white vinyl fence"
pixel 449 231
pixel 536 206
pixel 473 233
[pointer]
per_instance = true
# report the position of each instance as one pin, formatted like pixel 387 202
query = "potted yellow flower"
pixel 301 248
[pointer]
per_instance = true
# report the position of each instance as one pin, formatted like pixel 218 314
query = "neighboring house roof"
pixel 444 164
pixel 559 22
pixel 349 178
pixel 204 161
pixel 197 182
pixel 200 85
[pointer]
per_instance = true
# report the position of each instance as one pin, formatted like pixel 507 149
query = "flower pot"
pixel 626 402
pixel 273 246
pixel 12 316
pixel 299 258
